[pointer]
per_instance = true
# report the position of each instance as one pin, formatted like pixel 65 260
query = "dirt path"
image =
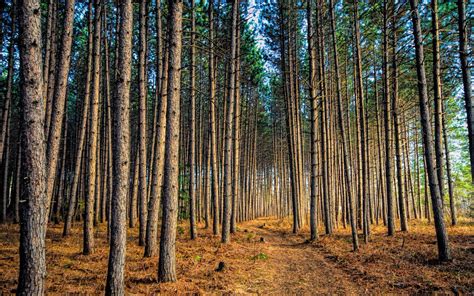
pixel 292 266
pixel 285 264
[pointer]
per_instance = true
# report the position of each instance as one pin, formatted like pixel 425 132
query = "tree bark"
pixel 59 100
pixel 236 136
pixel 167 259
pixel 387 124
pixel 438 96
pixel 361 113
pixel 88 247
pixel 314 123
pixel 346 163
pixel 466 78
pixel 142 89
pixel 82 132
pixel 396 126
pixel 441 234
pixel 118 235
pixel 151 239
pixel 228 127
pixel 34 208
pixel 212 125
pixel 192 128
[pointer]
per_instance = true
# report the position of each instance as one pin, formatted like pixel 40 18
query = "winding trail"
pixel 293 266
pixel 285 264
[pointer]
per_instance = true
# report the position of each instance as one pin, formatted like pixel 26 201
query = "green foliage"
pixel 197 258
pixel 260 256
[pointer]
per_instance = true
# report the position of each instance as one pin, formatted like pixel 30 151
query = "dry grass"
pixel 69 271
pixel 283 264
pixel 406 262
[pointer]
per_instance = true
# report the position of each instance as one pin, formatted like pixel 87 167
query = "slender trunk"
pixel 158 84
pixel 6 162
pixel 466 77
pixel 236 137
pixel 48 45
pixel 16 209
pixel 362 140
pixel 132 205
pixel 142 89
pixel 6 116
pixel 82 133
pixel 59 100
pixel 167 259
pixel 207 184
pixel 228 127
pixel 58 214
pixel 51 66
pixel 34 208
pixel 8 97
pixel 109 123
pixel 396 125
pixel 441 234
pixel 452 205
pixel 118 235
pixel 314 122
pixel 387 124
pixel 88 247
pixel 192 129
pixel 151 239
pixel 438 98
pixel 341 119
pixel 212 125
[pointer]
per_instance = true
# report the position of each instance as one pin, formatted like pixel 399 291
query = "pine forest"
pixel 236 147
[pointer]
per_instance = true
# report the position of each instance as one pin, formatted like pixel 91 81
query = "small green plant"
pixel 180 230
pixel 197 258
pixel 260 256
pixel 250 236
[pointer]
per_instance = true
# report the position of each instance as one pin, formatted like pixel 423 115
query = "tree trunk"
pixel 151 239
pixel 8 97
pixel 118 235
pixel 82 133
pixel 387 124
pixel 441 234
pixel 48 45
pixel 236 136
pixel 212 125
pixel 466 78
pixel 6 116
pixel 452 205
pixel 142 89
pixel 192 128
pixel 346 163
pixel 59 100
pixel 34 208
pixel 361 112
pixel 227 207
pixel 88 247
pixel 314 123
pixel 396 126
pixel 438 96
pixel 167 259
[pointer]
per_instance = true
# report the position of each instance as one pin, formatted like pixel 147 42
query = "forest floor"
pixel 283 264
